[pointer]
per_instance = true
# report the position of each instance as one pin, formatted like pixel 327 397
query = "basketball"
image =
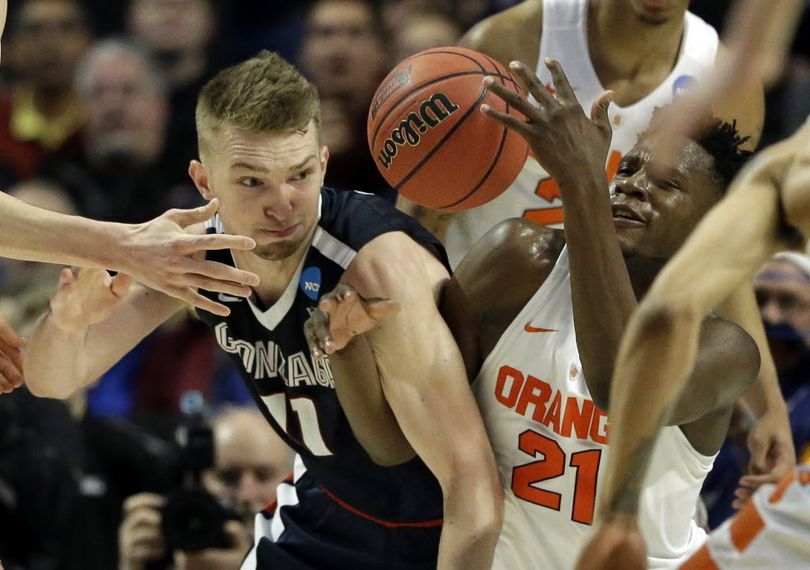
pixel 429 139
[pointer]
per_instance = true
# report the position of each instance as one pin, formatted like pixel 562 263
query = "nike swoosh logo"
pixel 228 299
pixel 530 329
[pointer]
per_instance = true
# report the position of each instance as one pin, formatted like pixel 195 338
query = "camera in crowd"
pixel 192 518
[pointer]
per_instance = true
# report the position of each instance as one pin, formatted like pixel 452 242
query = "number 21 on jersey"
pixel 553 465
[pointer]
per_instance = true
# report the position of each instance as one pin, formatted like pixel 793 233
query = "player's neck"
pixel 642 272
pixel 274 275
pixel 622 46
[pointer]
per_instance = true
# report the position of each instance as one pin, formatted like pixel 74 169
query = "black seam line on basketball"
pixel 473 108
pixel 464 55
pixel 487 173
pixel 491 165
pixel 382 119
pixel 416 56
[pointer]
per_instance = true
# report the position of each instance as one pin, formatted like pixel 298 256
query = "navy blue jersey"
pixel 297 393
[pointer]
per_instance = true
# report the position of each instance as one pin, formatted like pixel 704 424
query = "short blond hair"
pixel 262 94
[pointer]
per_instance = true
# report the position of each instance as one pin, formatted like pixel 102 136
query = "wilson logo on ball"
pixel 432 112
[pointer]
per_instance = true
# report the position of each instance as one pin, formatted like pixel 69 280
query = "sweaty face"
pixel 658 12
pixel 655 209
pixel 268 185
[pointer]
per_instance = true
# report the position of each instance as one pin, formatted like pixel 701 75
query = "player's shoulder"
pixel 358 218
pixel 516 251
pixel 513 34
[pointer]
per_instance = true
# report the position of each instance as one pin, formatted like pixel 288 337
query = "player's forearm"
pixel 55 360
pixel 655 361
pixel 764 394
pixel 603 297
pixel 473 516
pixel 35 234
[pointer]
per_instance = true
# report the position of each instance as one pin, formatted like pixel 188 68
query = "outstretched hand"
pixel 160 253
pixel 557 129
pixel 11 364
pixel 617 544
pixel 770 443
pixel 342 315
pixel 85 297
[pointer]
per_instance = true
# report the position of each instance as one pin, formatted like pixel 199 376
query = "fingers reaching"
pixel 208 242
pixel 562 87
pixel 531 84
pixel 599 110
pixel 185 218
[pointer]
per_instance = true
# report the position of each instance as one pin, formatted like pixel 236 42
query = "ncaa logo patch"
pixel 311 282
pixel 682 84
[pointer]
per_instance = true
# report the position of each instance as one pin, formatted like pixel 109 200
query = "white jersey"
pixel 534 195
pixel 771 531
pixel 550 444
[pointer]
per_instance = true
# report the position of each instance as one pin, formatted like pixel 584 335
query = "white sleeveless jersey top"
pixel 534 195
pixel 771 531
pixel 550 444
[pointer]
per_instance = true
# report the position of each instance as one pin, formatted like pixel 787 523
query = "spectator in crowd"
pixel 783 293
pixel 345 56
pixel 178 36
pixel 40 114
pixel 120 173
pixel 424 29
pixel 250 461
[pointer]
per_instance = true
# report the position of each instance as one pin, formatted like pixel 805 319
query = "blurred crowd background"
pixel 97 105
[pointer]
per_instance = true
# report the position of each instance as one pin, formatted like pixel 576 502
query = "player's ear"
pixel 324 161
pixel 199 175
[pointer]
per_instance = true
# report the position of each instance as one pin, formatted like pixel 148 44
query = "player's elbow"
pixel 44 382
pixel 44 389
pixel 474 495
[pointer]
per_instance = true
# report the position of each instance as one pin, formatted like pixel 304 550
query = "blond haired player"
pixel 157 254
pixel 381 486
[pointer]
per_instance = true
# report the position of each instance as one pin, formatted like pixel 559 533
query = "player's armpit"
pixel 425 384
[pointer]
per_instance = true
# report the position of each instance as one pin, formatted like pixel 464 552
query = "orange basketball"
pixel 429 139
